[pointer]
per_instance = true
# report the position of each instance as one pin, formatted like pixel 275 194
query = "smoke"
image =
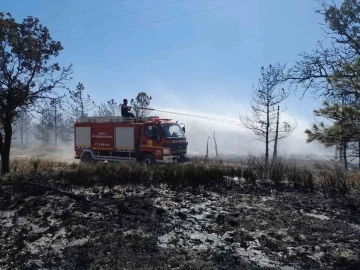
pixel 64 152
pixel 231 136
pixel 234 139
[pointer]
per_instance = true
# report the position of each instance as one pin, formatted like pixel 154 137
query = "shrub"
pixel 277 171
pixel 249 175
pixel 257 166
pixel 334 179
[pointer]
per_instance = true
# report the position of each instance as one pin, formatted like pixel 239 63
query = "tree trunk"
pixel 359 152
pixel 345 155
pixel 207 150
pixel 276 134
pixel 55 130
pixel 267 139
pixel 69 133
pixel 216 150
pixel 22 132
pixel 341 152
pixel 5 149
pixel 26 134
pixel 336 152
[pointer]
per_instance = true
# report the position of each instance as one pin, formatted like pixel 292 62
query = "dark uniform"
pixel 125 110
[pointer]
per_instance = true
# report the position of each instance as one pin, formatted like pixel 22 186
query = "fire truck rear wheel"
pixel 148 159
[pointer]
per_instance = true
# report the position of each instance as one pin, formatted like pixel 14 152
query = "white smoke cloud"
pixel 232 138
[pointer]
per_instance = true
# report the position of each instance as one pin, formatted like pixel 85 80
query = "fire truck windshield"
pixel 172 131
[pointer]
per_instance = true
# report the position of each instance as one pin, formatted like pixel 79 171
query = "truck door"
pixel 150 136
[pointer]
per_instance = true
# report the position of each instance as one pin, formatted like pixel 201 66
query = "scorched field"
pixel 193 216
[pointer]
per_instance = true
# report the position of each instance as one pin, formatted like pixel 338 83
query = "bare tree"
pixel 27 73
pixel 81 104
pixel 265 99
pixel 110 108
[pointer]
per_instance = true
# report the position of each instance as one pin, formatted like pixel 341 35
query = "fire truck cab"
pixel 150 140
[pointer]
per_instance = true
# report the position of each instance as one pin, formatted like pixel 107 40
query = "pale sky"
pixel 201 64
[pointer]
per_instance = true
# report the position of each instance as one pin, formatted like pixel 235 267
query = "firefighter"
pixel 125 110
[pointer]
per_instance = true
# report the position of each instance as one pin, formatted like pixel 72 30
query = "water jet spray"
pixel 192 115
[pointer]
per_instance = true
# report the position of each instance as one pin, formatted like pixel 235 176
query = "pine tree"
pixel 343 130
pixel 141 101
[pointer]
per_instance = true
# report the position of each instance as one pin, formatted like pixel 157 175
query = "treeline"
pixel 53 121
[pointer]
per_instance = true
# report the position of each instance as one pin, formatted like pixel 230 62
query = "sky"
pixel 203 64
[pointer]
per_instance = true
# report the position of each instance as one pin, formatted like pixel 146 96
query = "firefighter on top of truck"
pixel 125 110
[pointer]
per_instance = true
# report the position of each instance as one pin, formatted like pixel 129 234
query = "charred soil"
pixel 156 227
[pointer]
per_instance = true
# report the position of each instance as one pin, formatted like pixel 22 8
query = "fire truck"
pixel 149 140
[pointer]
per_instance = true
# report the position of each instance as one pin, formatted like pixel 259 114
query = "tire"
pixel 87 158
pixel 148 159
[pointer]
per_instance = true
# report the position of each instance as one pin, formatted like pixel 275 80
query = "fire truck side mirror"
pixel 183 128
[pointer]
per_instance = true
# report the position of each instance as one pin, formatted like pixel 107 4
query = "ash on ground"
pixel 152 227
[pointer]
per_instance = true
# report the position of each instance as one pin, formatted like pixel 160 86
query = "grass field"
pixel 63 215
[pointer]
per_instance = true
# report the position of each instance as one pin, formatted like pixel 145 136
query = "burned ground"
pixel 156 227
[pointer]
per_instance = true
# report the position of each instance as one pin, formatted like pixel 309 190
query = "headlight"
pixel 166 151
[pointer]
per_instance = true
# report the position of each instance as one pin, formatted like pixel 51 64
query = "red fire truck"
pixel 150 140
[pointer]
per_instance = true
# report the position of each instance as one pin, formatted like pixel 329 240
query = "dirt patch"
pixel 157 228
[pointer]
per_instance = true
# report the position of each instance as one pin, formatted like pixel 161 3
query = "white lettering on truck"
pixel 102 144
pixel 102 136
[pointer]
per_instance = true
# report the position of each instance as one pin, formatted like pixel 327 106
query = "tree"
pixel 56 108
pixel 45 126
pixel 343 130
pixel 108 109
pixel 318 69
pixel 27 73
pixel 66 128
pixel 265 100
pixel 81 104
pixel 22 127
pixel 334 75
pixel 141 101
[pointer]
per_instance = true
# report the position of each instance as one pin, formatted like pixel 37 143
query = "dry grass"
pixel 330 178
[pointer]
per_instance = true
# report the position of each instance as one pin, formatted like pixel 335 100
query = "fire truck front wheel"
pixel 148 159
pixel 87 158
